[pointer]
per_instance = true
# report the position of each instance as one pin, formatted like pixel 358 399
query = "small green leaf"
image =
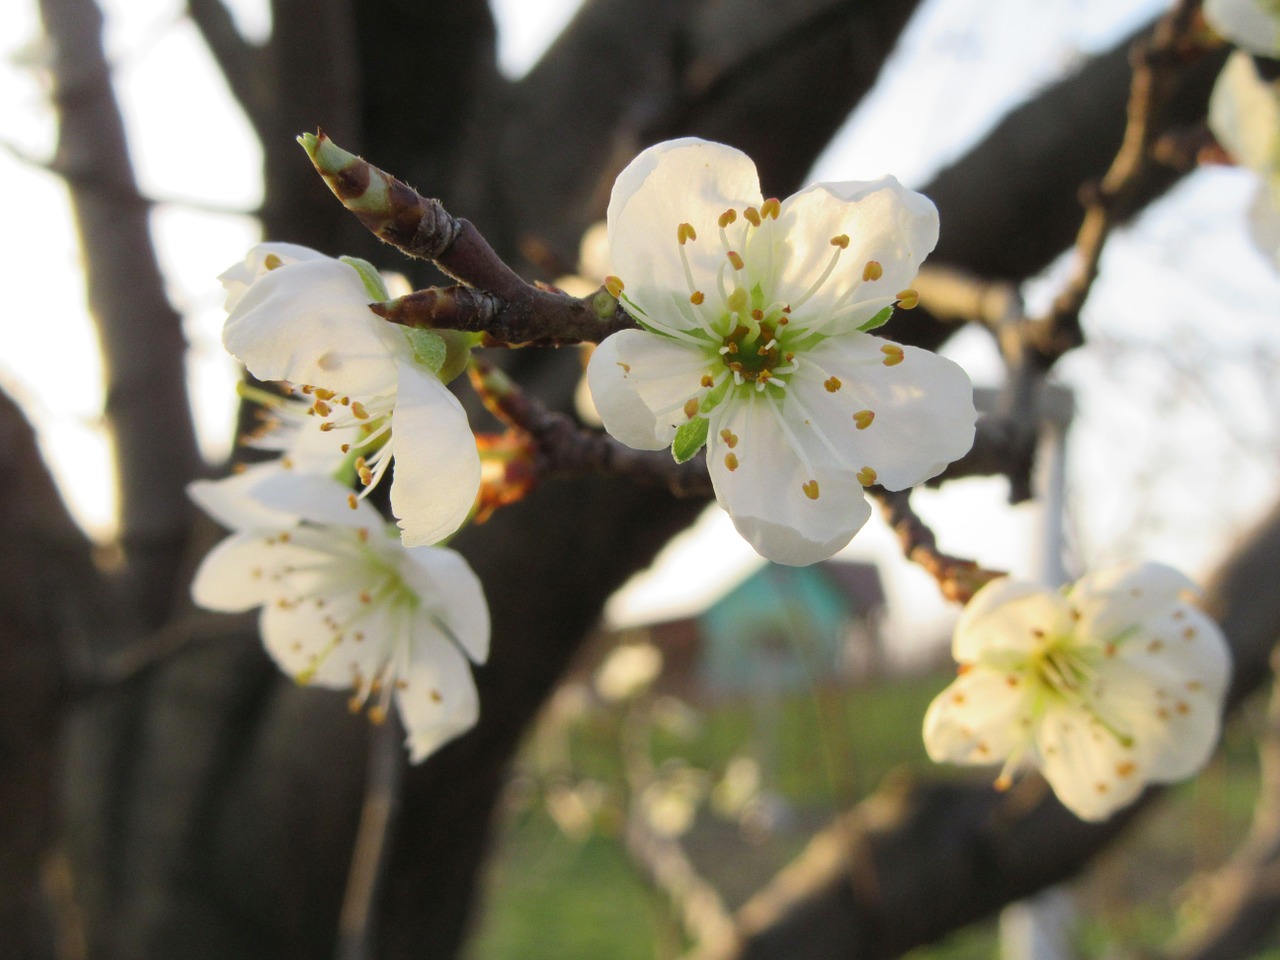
pixel 879 320
pixel 715 395
pixel 689 439
pixel 429 348
pixel 373 285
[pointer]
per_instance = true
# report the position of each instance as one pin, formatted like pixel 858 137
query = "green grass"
pixel 549 896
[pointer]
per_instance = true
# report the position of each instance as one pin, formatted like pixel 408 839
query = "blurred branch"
pixel 241 62
pixel 1243 909
pixel 139 331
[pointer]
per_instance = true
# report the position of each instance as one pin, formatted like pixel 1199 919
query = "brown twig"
pixel 958 579
pixel 1157 61
pixel 493 299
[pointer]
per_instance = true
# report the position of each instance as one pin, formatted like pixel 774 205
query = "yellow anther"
pixel 1125 768
pixel 907 298
pixel 345 448
pixel 691 407
pixel 729 437
pixel 841 241
pixel 810 489
pixel 737 301
pixel 731 461
pixel 866 476
pixel 326 426
pixel 757 315
pixel 272 262
pixel 862 419
pixel 322 408
pixel 685 233
pixel 352 501
pixel 363 534
pixel 697 298
pixel 753 215
pixel 707 380
pixel 323 394
pixel 367 598
pixel 770 208
pixel 736 259
pixel 377 715
pixel 358 411
pixel 832 384
pixel 614 285
pixel 872 271
pixel 727 218
pixel 366 475
pixel 1003 782
pixel 893 354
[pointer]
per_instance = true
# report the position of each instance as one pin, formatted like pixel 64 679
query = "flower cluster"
pixel 1114 683
pixel 755 316
pixel 346 600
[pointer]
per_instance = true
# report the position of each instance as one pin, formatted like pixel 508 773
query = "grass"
pixel 551 896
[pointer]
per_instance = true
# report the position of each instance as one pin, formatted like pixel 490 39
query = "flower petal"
pixel 640 382
pixel 906 421
pixel 236 574
pixel 239 278
pixel 438 699
pixel 883 221
pixel 230 502
pixel 331 639
pixel 1118 599
pixel 981 718
pixel 1090 770
pixel 1008 616
pixel 451 596
pixel 785 494
pixel 1250 24
pixel 317 499
pixel 310 323
pixel 436 461
pixel 680 181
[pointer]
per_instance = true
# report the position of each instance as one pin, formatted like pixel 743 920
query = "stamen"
pixel 872 271
pixel 697 298
pixel 893 354
pixel 810 489
pixel 908 298
pixel 866 476
pixel 770 208
pixel 753 215
pixel 736 259
pixel 862 419
pixel 842 241
pixel 685 233
pixel 615 286
pixel 728 217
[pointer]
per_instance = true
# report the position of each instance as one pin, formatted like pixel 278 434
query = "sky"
pixel 1174 447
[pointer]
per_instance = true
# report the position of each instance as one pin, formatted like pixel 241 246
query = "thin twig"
pixel 357 922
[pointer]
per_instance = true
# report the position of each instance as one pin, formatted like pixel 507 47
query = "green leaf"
pixel 689 439
pixel 715 395
pixel 373 285
pixel 879 320
pixel 429 348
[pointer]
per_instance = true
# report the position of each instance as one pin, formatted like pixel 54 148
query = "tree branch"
pixel 140 333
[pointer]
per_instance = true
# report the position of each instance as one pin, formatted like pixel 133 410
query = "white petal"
pixel 761 482
pixel 640 382
pixel 1117 599
pixel 310 323
pixel 884 221
pixel 438 700
pixel 317 499
pixel 1008 617
pixel 1244 114
pixel 1092 773
pixel 302 638
pixel 922 407
pixel 451 595
pixel 1264 219
pixel 436 461
pixel 981 718
pixel 239 278
pixel 1250 24
pixel 230 501
pixel 680 181
pixel 236 574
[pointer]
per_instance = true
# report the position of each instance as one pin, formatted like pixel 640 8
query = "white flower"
pixel 1115 683
pixel 344 604
pixel 1252 25
pixel 305 319
pixel 754 314
pixel 1244 114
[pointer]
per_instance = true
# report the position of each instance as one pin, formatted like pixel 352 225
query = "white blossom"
pixel 1244 114
pixel 304 318
pixel 1107 686
pixel 345 604
pixel 754 315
